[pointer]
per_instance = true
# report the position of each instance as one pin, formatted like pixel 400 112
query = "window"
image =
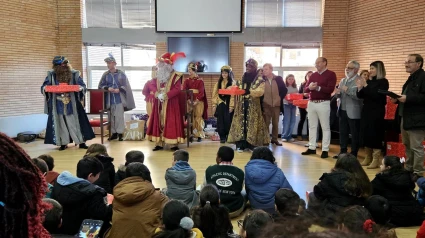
pixel 283 13
pixel 97 55
pixel 139 57
pixel 138 13
pixel 137 60
pixel 102 13
pixel 299 57
pixel 119 13
pixel 263 54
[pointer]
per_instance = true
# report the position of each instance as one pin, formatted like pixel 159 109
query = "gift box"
pixel 396 148
pixel 233 90
pixel 301 103
pixel 390 109
pixel 293 96
pixel 62 88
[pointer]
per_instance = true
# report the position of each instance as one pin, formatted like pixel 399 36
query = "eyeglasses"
pixel 410 62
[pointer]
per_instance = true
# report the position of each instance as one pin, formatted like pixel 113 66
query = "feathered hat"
pixel 58 60
pixel 110 58
pixel 171 58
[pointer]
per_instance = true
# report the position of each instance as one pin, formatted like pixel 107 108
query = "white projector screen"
pixel 207 16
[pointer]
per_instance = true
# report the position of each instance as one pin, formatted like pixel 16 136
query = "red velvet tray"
pixel 293 96
pixel 62 88
pixel 234 90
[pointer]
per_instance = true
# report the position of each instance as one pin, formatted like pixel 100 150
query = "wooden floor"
pixel 303 172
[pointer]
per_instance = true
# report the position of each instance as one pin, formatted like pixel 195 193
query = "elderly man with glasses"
pixel 349 110
pixel 411 110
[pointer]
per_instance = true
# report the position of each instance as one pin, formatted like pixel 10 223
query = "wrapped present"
pixel 301 103
pixel 293 96
pixel 215 137
pixel 396 148
pixel 233 90
pixel 211 121
pixel 62 88
pixel 390 109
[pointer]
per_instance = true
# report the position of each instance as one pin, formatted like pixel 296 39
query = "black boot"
pixel 114 136
pixel 83 146
pixel 63 147
pixel 120 137
pixel 175 148
pixel 199 139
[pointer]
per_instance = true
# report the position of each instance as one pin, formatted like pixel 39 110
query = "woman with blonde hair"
pixel 373 112
pixel 107 176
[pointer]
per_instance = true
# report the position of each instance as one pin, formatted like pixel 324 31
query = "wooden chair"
pixel 188 113
pixel 97 107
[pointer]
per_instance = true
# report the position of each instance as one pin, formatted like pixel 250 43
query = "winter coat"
pixel 181 184
pixel 334 194
pixel 262 180
pixel 80 200
pixel 107 176
pixel 137 209
pixel 397 188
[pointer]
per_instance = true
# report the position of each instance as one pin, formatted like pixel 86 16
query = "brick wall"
pixel 28 43
pixel 334 44
pixel 236 62
pixel 369 30
pixel 387 31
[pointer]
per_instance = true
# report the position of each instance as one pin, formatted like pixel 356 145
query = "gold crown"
pixel 226 67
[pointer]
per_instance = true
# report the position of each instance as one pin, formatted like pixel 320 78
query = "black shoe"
pixel 83 146
pixel 337 156
pixel 222 141
pixel 309 152
pixel 158 148
pixel 324 155
pixel 276 143
pixel 63 147
pixel 175 148
pixel 120 137
pixel 199 139
pixel 191 139
pixel 114 136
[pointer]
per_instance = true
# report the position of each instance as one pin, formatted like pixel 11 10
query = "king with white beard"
pixel 166 122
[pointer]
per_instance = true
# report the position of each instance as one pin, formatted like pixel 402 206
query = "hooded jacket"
pixel 397 187
pixel 80 200
pixel 181 183
pixel 262 180
pixel 137 209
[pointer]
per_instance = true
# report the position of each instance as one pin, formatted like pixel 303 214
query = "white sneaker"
pixel 239 150
pixel 284 140
pixel 291 140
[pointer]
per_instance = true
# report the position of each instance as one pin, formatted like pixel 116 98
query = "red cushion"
pixel 96 123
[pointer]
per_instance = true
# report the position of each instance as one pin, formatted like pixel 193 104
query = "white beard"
pixel 164 72
pixel 349 75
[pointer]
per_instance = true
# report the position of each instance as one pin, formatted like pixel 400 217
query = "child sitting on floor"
pixel 51 175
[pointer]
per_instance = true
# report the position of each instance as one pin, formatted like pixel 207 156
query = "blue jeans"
pixel 288 121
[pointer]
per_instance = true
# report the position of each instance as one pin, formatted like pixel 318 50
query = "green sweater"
pixel 229 180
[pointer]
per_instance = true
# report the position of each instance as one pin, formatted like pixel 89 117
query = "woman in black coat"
pixel 372 124
pixel 395 184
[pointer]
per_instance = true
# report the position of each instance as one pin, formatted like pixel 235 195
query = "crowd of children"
pixel 35 201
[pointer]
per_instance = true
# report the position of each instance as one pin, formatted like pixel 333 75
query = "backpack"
pixel 26 136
